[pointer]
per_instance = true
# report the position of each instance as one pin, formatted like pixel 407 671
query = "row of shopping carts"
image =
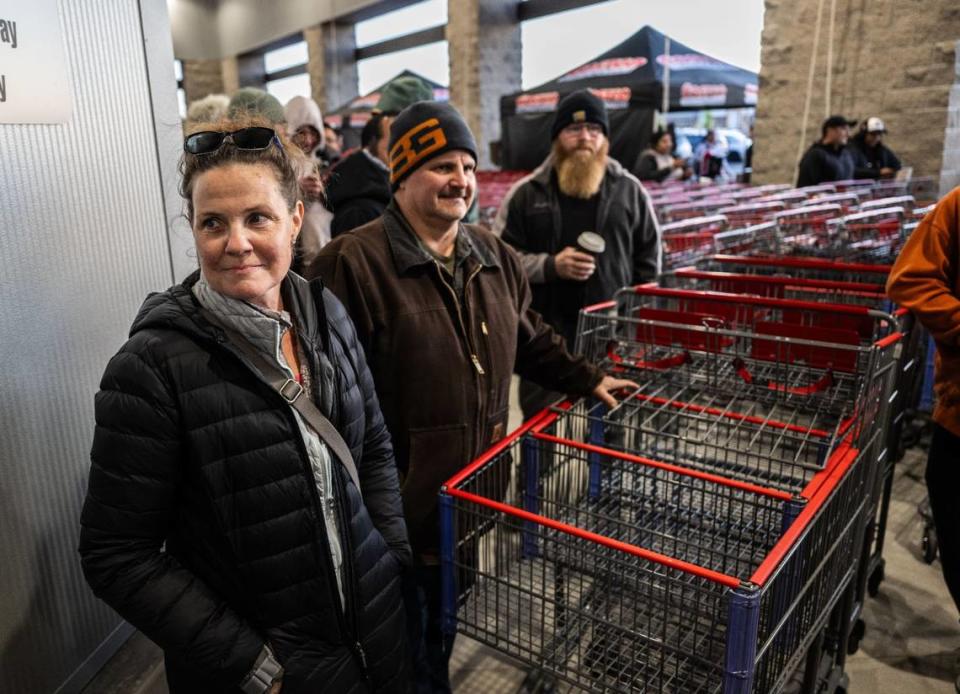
pixel 719 529
pixel 859 224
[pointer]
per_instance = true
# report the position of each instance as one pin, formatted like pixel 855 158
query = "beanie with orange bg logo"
pixel 423 131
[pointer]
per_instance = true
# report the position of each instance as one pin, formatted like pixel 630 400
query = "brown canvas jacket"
pixel 926 281
pixel 442 366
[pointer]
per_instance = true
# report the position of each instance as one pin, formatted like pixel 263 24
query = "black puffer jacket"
pixel 358 192
pixel 193 449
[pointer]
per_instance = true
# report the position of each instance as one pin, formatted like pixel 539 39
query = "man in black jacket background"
pixel 578 188
pixel 828 159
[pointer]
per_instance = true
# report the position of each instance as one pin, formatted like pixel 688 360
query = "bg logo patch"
pixel 418 142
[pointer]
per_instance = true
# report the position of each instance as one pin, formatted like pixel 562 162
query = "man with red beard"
pixel 578 189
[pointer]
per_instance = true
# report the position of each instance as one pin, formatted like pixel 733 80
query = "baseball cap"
pixel 838 122
pixel 875 125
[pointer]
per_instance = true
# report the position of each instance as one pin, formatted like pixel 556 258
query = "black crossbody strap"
pixel 294 394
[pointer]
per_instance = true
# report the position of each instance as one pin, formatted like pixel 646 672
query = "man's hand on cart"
pixel 609 385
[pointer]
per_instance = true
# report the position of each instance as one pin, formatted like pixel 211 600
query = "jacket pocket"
pixel 435 455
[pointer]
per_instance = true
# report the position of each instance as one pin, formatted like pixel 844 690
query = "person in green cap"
pixel 248 102
pixel 358 188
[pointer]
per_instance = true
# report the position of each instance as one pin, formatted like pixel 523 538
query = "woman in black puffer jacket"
pixel 217 520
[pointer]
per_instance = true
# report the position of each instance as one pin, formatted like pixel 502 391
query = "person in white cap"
pixel 872 158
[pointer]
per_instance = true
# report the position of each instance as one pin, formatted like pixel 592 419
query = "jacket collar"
pixel 408 253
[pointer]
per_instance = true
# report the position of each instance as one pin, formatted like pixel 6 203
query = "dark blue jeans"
pixel 430 648
pixel 943 481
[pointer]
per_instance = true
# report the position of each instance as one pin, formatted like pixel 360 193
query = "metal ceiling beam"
pixel 401 43
pixel 533 9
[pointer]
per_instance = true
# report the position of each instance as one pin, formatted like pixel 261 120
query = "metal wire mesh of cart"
pixel 804 229
pixel 657 579
pixel 773 352
pixel 746 214
pixel 756 239
pixel 776 447
pixel 799 267
pixel 874 236
pixel 686 241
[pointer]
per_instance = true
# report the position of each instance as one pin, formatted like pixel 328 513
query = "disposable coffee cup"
pixel 592 243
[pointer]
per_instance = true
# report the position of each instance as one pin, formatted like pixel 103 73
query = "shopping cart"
pixel 800 267
pixel 695 208
pixel 689 240
pixel 658 579
pixel 745 214
pixel 903 399
pixel 804 229
pixel 755 239
pixel 874 235
pixel 849 202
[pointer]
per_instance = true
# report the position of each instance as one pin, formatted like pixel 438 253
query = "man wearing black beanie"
pixel 578 189
pixel 442 310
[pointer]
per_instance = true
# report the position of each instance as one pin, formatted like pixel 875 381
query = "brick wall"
pixel 202 77
pixel 482 71
pixel 895 59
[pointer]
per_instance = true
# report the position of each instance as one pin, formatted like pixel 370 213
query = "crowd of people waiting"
pixel 270 443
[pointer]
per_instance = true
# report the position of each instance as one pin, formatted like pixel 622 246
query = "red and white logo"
pixel 690 61
pixel 441 94
pixel 703 94
pixel 750 94
pixel 335 120
pixel 614 97
pixel 367 101
pixel 605 68
pixel 358 120
pixel 537 103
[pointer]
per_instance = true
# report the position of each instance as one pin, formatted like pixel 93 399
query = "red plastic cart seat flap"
pixel 668 335
pixel 812 355
pixel 734 313
pixel 863 326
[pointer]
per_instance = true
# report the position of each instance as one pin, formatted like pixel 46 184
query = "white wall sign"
pixel 33 69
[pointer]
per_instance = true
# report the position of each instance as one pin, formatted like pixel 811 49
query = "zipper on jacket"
pixel 463 327
pixel 344 608
pixel 477 425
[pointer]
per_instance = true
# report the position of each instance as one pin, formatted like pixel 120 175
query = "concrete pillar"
pixel 890 58
pixel 332 63
pixel 950 171
pixel 482 71
pixel 202 77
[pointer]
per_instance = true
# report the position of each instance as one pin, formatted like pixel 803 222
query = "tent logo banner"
pixel 366 101
pixel 750 94
pixel 703 94
pixel 538 103
pixel 691 61
pixel 605 68
pixel 613 98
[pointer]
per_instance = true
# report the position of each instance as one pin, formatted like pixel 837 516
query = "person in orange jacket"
pixel 926 280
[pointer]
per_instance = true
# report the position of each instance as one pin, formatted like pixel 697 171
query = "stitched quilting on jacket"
pixel 194 450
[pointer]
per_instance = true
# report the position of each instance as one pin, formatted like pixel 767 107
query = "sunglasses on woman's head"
pixel 246 138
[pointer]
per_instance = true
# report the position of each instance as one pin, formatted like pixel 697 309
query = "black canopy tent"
pixel 352 116
pixel 630 79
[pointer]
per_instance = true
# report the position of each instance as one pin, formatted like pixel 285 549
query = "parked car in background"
pixel 689 139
